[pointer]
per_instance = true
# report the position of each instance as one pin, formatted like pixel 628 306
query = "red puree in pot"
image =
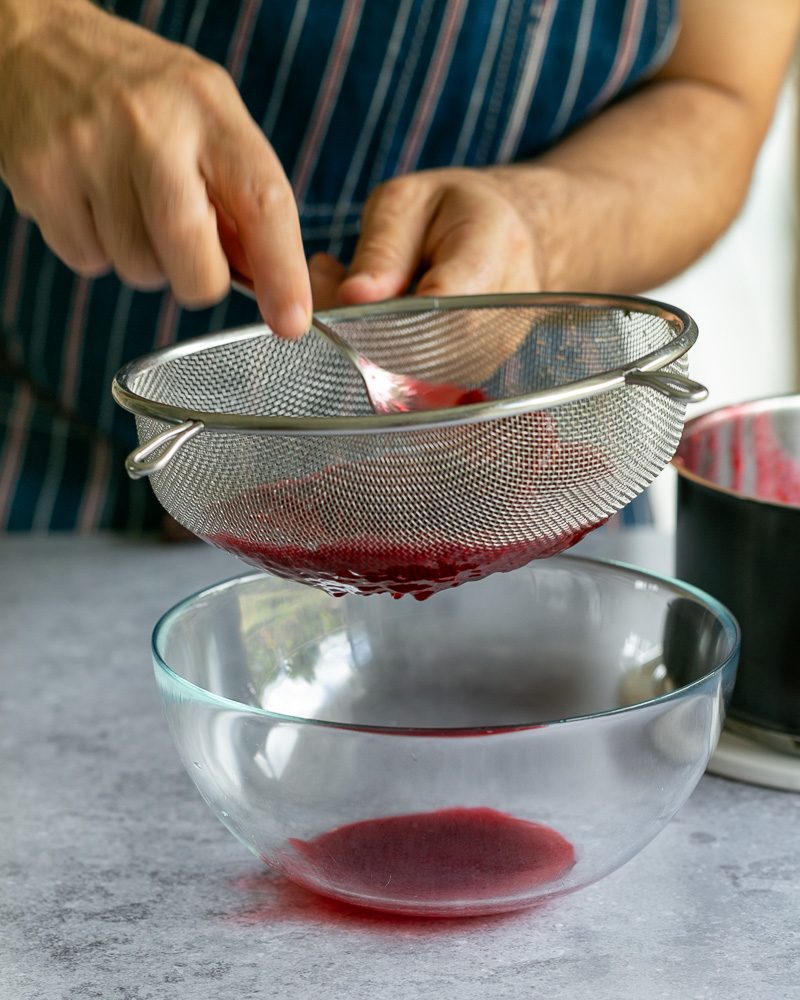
pixel 759 465
pixel 407 863
pixel 777 474
pixel 303 528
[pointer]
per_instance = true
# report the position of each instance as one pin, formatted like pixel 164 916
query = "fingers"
pixel 229 239
pixel 469 259
pixel 126 174
pixel 182 225
pixel 64 216
pixel 159 212
pixel 90 224
pixel 391 245
pixel 452 230
pixel 477 244
pixel 249 184
pixel 122 230
pixel 327 274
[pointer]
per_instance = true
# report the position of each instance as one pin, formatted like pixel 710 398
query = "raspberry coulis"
pixel 334 528
pixel 465 859
pixel 372 566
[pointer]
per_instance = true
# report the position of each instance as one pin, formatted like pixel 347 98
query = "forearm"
pixel 13 24
pixel 20 17
pixel 622 204
pixel 639 193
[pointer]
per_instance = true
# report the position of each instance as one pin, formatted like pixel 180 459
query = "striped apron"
pixel 349 93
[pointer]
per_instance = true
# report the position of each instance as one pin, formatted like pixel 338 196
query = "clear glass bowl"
pixel 505 741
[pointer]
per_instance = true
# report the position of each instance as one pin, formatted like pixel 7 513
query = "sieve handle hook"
pixel 670 384
pixel 139 464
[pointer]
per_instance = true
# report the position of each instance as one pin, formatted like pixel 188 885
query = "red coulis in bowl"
pixel 410 863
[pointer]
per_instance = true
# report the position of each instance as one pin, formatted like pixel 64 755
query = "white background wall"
pixel 742 293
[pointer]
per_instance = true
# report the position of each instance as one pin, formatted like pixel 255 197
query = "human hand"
pixel 125 149
pixel 456 231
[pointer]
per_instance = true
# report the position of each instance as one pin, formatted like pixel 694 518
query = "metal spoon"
pixel 388 392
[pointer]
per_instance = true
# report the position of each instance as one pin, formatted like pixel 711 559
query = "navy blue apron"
pixel 349 93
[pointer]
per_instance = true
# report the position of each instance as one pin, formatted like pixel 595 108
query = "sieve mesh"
pixel 413 509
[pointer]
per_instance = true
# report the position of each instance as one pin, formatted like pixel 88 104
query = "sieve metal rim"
pixel 639 371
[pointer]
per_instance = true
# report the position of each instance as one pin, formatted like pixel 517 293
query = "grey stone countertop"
pixel 116 882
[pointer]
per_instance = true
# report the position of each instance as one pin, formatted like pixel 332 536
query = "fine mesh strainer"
pixel 270 449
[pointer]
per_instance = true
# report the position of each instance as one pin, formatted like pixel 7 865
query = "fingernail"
pixel 363 276
pixel 293 322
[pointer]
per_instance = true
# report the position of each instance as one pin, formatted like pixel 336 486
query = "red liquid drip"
pixel 478 860
pixel 271 899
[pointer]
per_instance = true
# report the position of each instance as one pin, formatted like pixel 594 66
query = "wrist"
pixel 573 214
pixel 544 197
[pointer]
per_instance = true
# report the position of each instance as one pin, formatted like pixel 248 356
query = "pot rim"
pixel 721 415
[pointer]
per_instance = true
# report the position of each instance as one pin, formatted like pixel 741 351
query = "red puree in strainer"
pixel 396 570
pixel 367 564
pixel 426 858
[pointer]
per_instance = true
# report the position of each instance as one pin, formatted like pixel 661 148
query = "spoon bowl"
pixel 388 392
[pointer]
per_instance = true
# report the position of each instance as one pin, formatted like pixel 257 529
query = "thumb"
pixel 326 274
pixel 390 248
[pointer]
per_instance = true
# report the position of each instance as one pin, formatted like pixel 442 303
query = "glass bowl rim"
pixel 196 692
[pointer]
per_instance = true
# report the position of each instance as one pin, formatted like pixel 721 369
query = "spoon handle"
pixel 352 355
pixel 245 285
